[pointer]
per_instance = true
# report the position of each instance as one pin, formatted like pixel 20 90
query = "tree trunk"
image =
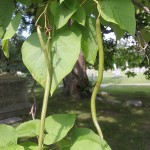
pixel 76 84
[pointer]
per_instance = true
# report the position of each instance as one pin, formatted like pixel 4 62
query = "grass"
pixel 130 129
pixel 124 128
pixel 109 78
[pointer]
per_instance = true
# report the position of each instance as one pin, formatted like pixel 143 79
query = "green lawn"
pixel 127 128
pixel 124 128
pixel 109 78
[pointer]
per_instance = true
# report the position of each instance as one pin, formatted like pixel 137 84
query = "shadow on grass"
pixel 124 128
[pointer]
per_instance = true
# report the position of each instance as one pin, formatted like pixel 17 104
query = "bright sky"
pixel 110 36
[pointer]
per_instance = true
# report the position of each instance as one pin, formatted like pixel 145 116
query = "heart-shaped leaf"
pixel 28 129
pixel 5 14
pixel 120 12
pixel 65 51
pixel 62 12
pixel 83 137
pixel 80 16
pixel 5 48
pixel 8 135
pixel 12 27
pixel 89 44
pixel 12 147
pixel 87 144
pixel 57 127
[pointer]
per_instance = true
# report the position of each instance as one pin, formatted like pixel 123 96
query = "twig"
pixel 146 9
pixel 82 2
pixel 144 47
pixel 34 106
pixel 140 37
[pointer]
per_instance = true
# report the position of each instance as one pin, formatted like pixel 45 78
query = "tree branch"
pixel 146 9
pixel 33 108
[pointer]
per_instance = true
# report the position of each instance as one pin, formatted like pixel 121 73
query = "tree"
pixel 76 83
pixel 139 49
pixel 12 61
pixel 82 89
pixel 62 29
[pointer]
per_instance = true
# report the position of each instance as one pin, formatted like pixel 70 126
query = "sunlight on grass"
pixel 138 112
pixel 124 127
pixel 123 79
pixel 107 119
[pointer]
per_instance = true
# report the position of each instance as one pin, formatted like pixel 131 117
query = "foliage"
pixel 113 11
pixel 61 15
pixel 8 135
pixel 5 15
pixel 56 128
pixel 14 62
pixel 117 121
pixel 61 64
pixel 89 46
pixel 63 28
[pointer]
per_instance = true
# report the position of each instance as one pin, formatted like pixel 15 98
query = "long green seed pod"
pixel 100 76
pixel 47 54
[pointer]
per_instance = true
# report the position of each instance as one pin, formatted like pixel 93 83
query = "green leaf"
pixel 65 45
pixel 12 27
pixel 84 134
pixel 61 13
pixel 89 7
pixel 53 7
pixel 8 135
pixel 80 15
pixel 36 2
pixel 89 44
pixel 118 31
pixel 13 147
pixel 57 127
pixel 29 2
pixel 5 14
pixel 86 144
pixel 28 129
pixel 60 1
pixel 64 144
pixel 120 12
pixel 25 2
pixel 70 4
pixel 1 31
pixel 29 145
pixel 76 28
pixel 145 32
pixel 5 48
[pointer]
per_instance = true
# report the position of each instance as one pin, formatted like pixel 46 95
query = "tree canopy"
pixel 131 18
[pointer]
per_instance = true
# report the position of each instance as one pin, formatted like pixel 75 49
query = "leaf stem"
pixel 41 15
pixel 100 76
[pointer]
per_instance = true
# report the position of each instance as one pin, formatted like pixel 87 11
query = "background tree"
pixel 63 29
pixel 136 54
pixel 76 83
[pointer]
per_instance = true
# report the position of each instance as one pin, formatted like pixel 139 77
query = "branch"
pixel 33 108
pixel 146 9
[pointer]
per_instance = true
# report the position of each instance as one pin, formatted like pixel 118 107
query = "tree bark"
pixel 76 84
